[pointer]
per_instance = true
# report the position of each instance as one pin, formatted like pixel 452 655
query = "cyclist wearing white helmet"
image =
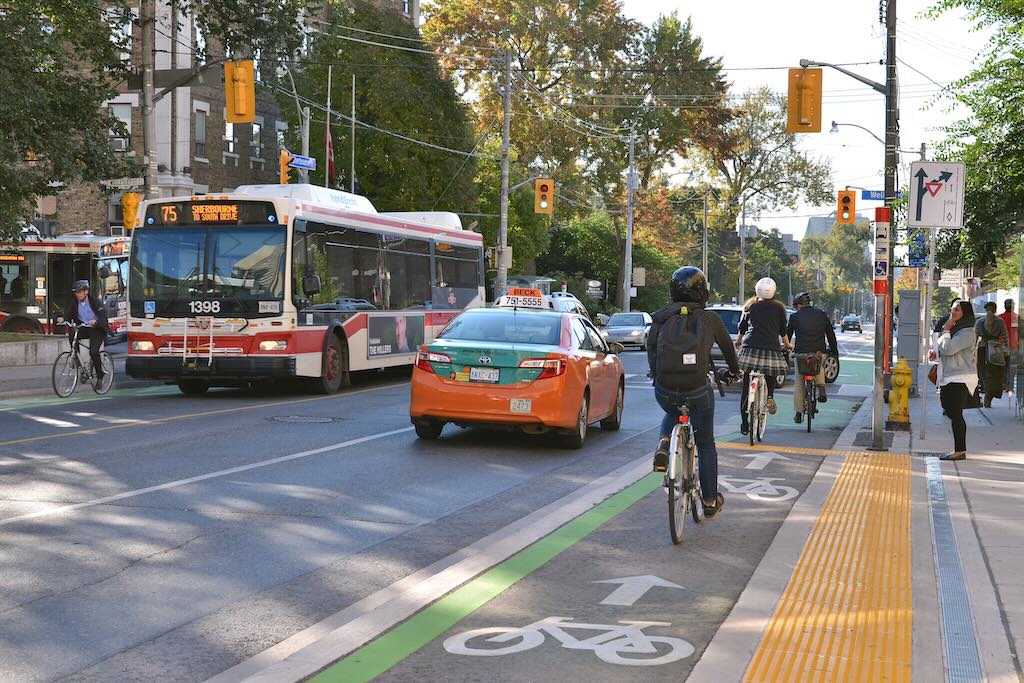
pixel 761 331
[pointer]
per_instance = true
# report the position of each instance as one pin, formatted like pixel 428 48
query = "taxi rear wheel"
pixel 428 430
pixel 614 421
pixel 579 433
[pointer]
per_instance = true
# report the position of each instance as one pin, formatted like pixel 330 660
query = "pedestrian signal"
pixel 803 101
pixel 240 91
pixel 129 209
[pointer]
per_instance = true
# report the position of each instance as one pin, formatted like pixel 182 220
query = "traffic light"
pixel 544 196
pixel 129 208
pixel 803 102
pixel 240 91
pixel 283 159
pixel 846 209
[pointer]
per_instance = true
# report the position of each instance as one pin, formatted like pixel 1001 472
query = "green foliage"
pixel 269 28
pixel 1007 271
pixel 395 90
pixel 329 290
pixel 60 64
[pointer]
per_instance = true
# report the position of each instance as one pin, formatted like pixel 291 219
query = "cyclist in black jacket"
pixel 813 330
pixel 679 354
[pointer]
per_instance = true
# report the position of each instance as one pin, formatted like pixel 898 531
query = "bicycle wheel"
pixel 108 374
pixel 762 424
pixel 64 375
pixel 693 476
pixel 809 406
pixel 752 423
pixel 678 497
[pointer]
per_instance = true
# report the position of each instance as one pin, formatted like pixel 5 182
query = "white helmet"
pixel 765 288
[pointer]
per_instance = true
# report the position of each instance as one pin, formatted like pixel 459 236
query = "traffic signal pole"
pixel 147 18
pixel 627 260
pixel 501 282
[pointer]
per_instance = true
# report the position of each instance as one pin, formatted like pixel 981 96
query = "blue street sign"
pixel 876 195
pixel 305 163
pixel 918 250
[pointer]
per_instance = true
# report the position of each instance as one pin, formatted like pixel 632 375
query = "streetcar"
pixel 290 281
pixel 37 275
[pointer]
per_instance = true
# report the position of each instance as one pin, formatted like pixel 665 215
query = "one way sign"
pixel 936 195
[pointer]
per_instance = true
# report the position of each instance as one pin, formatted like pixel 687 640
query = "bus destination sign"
pixel 210 212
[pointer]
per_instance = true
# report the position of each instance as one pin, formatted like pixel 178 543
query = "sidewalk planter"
pixel 36 351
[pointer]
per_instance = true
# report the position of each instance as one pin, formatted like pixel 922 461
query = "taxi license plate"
pixel 520 405
pixel 484 374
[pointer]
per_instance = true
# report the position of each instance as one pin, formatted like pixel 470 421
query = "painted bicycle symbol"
pixel 760 489
pixel 624 643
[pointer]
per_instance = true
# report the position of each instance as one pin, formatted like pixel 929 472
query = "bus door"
pixel 63 270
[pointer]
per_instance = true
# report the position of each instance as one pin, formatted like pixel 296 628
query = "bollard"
pixel 899 397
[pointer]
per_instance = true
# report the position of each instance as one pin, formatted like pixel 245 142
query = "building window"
pixel 123 112
pixel 281 128
pixel 229 137
pixel 200 39
pixel 256 139
pixel 406 7
pixel 200 135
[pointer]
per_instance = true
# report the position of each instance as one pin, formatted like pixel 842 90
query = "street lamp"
pixel 835 129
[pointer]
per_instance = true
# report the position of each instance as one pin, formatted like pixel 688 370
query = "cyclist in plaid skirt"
pixel 761 331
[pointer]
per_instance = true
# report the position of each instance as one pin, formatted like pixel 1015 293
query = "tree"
pixel 762 164
pixel 61 62
pixel 395 90
pixel 991 139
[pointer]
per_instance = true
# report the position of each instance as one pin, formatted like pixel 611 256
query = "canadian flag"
pixel 329 147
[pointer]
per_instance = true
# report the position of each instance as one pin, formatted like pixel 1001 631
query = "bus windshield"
pixel 178 271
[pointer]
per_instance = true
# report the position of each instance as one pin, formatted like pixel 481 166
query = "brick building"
pixel 197 150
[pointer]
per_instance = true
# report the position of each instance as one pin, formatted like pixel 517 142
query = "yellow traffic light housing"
pixel 129 209
pixel 544 196
pixel 803 101
pixel 240 91
pixel 846 207
pixel 283 159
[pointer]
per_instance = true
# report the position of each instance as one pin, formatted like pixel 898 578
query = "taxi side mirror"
pixel 615 347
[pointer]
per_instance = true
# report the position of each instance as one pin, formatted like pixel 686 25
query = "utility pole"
pixel 327 162
pixel 352 178
pixel 789 277
pixel 627 261
pixel 743 248
pixel 501 282
pixel 704 263
pixel 305 142
pixel 883 303
pixel 147 17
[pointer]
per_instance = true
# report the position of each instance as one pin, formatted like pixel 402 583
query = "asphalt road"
pixel 150 535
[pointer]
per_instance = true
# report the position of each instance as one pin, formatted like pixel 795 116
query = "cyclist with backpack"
pixel 761 330
pixel 813 331
pixel 679 355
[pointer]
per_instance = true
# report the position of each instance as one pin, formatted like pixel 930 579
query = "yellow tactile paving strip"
pixel 846 613
pixel 741 446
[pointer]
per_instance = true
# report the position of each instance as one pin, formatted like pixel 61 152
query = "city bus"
pixel 37 275
pixel 290 281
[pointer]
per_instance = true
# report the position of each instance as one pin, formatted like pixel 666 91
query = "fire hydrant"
pixel 899 397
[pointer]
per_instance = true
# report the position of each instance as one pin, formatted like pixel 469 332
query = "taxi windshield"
pixel 512 326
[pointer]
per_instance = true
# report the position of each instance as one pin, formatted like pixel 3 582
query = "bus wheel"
pixel 193 387
pixel 335 368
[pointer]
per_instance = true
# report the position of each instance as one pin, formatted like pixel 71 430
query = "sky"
pixel 749 33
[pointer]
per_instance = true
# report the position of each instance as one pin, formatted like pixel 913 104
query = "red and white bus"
pixel 282 281
pixel 37 275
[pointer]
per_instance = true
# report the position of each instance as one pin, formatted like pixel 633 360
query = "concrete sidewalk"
pixel 33 380
pixel 986 496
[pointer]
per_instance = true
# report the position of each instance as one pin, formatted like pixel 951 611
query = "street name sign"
pixel 936 194
pixel 303 162
pixel 123 183
pixel 876 195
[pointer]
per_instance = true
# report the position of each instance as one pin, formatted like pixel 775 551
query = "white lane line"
pixel 53 422
pixel 202 477
pixel 315 647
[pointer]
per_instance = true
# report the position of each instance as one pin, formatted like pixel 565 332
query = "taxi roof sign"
pixel 524 297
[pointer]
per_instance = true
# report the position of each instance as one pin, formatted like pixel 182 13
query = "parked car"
pixel 852 322
pixel 628 329
pixel 568 303
pixel 730 315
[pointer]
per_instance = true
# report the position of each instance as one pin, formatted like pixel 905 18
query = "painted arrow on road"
pixel 760 460
pixel 633 588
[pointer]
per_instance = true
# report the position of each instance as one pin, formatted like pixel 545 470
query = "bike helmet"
pixel 765 288
pixel 81 285
pixel 689 284
pixel 801 299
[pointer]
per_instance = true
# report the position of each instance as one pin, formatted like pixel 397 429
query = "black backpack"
pixel 681 364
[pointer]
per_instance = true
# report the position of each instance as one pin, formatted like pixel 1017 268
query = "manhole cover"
pixel 302 419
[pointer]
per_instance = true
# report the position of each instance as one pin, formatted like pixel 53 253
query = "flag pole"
pixel 327 132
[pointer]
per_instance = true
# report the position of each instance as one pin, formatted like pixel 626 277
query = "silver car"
pixel 628 329
pixel 730 315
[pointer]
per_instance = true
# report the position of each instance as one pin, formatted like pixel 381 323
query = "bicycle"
pixel 69 369
pixel 808 365
pixel 682 480
pixel 757 406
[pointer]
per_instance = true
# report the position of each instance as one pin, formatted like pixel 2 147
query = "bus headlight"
pixel 142 346
pixel 273 345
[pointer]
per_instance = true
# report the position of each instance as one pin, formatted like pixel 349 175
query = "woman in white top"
pixel 958 372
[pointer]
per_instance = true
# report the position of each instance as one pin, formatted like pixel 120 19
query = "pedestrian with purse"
pixel 992 343
pixel 957 376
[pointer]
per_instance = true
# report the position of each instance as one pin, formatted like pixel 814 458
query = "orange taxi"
pixel 521 364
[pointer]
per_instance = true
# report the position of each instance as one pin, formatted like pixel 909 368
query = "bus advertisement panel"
pixel 283 281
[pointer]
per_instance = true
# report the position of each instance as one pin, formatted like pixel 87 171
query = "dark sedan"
pixel 852 322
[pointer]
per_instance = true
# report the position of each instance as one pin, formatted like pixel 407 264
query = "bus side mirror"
pixel 310 284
